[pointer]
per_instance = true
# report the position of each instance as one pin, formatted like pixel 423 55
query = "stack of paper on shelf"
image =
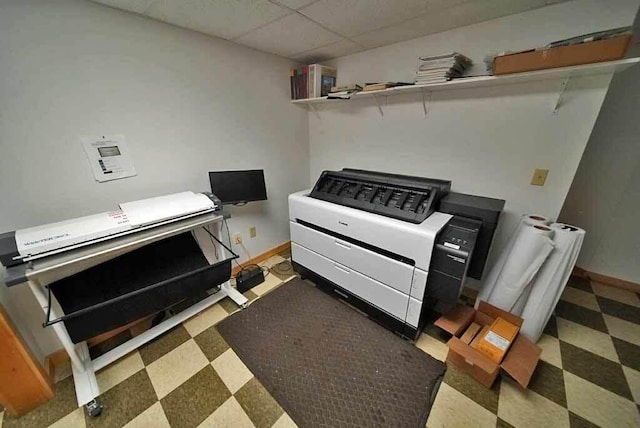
pixel 441 68
pixel 344 92
pixel 385 85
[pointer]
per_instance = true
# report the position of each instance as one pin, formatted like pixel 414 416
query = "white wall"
pixel 605 195
pixel 187 103
pixel 487 141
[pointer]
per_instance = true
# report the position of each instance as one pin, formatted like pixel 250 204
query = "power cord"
pixel 283 268
pixel 224 220
pixel 264 269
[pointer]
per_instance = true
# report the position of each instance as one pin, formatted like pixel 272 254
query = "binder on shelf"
pixel 305 84
pixel 321 80
pixel 291 82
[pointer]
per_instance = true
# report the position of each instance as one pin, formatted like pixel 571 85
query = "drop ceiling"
pixel 317 30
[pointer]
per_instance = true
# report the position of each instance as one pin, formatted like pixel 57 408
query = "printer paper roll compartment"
pixel 153 277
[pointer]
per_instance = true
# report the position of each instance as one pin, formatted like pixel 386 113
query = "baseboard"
pixel 51 361
pixel 61 356
pixel 262 257
pixel 50 370
pixel 606 279
pixel 580 272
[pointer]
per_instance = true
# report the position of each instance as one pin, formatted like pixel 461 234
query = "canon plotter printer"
pixel 391 245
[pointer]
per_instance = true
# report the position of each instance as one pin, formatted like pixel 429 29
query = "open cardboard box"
pixel 519 362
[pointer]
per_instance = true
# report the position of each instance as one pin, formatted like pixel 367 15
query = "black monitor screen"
pixel 234 187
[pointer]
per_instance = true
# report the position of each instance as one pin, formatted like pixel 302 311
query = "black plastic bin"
pixel 154 277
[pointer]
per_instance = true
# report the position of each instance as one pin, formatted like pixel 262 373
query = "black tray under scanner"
pixel 135 285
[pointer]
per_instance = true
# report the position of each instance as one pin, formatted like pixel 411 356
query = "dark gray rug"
pixel 328 365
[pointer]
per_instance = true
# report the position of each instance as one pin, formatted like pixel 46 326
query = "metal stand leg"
pixel 235 295
pixel 94 408
pixel 84 376
pixel 85 379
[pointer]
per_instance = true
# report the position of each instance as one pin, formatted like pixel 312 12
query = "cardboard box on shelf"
pixel 520 359
pixel 562 56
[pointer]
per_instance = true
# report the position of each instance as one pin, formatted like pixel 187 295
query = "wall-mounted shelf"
pixel 562 73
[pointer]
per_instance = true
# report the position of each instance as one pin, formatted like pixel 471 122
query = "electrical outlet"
pixel 539 177
pixel 237 238
pixel 252 232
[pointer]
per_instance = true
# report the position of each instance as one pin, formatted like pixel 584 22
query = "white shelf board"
pixel 485 81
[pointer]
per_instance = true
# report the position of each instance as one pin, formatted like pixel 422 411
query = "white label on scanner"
pixel 497 340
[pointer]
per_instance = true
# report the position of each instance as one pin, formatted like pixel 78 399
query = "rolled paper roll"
pixel 551 280
pixel 490 281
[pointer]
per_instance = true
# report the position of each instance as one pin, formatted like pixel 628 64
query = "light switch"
pixel 539 177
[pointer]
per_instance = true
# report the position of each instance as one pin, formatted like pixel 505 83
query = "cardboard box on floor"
pixel 519 362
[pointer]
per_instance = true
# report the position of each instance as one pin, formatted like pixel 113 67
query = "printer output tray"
pixel 135 285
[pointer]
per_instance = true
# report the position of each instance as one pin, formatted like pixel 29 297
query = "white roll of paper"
pixel 530 249
pixel 492 277
pixel 551 280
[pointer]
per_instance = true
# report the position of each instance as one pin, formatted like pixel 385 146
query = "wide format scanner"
pixel 96 273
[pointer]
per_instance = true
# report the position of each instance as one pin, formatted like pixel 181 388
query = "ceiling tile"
pixel 288 36
pixel 221 18
pixel 458 16
pixel 294 4
pixel 137 6
pixel 352 17
pixel 420 26
pixel 334 50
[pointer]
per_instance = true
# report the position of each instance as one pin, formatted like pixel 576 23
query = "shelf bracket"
pixel 377 98
pixel 563 87
pixel 426 101
pixel 314 110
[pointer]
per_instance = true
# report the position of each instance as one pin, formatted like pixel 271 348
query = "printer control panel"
pixel 450 259
pixel 459 235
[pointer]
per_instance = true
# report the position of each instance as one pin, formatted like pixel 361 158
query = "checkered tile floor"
pixel 589 376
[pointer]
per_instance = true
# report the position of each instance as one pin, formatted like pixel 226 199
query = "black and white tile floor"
pixel 589 375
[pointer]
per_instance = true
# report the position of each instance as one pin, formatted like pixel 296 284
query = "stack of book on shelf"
pixel 344 92
pixel 380 86
pixel 441 68
pixel 312 81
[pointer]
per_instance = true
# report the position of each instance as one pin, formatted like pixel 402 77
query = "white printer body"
pixel 381 278
pixel 377 241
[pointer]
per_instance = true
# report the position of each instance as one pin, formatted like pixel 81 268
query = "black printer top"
pixel 403 197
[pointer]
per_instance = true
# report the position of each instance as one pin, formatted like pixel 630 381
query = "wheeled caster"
pixel 93 408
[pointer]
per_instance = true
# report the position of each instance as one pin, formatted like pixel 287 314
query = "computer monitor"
pixel 237 187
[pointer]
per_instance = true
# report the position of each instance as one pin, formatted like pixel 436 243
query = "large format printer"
pixel 390 245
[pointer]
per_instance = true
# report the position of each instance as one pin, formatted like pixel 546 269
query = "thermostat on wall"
pixel 108 156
